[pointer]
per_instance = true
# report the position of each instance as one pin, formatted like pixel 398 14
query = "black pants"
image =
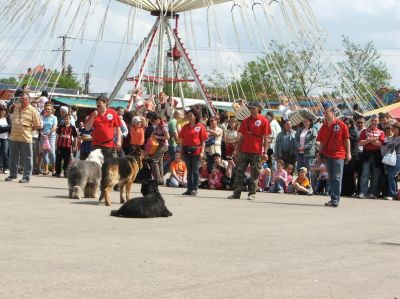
pixel 63 154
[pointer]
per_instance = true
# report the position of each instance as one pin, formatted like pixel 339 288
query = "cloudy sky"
pixel 214 42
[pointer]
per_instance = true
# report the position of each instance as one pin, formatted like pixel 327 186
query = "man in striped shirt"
pixel 25 120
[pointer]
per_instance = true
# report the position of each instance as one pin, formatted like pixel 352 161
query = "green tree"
pixel 363 68
pixel 9 80
pixel 66 80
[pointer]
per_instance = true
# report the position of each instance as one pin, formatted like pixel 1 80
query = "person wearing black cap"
pixel 251 148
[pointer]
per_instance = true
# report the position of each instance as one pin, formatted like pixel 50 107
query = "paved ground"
pixel 278 246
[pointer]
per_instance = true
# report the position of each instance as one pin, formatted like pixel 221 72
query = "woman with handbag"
pixel 47 147
pixel 391 155
pixel 193 136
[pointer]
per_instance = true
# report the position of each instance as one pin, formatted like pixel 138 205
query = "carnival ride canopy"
pixel 172 5
pixel 226 37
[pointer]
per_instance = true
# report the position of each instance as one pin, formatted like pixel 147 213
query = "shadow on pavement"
pixel 90 203
pixel 291 204
pixel 43 187
pixel 58 196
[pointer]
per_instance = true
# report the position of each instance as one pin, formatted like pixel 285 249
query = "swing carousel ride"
pixel 156 41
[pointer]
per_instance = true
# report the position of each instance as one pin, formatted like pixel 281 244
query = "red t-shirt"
pixel 104 127
pixel 253 130
pixel 371 133
pixel 334 139
pixel 193 136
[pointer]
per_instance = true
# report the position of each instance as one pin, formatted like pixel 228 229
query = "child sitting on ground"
pixel 203 174
pixel 302 184
pixel 279 178
pixel 289 170
pixel 215 178
pixel 321 184
pixel 265 178
pixel 178 172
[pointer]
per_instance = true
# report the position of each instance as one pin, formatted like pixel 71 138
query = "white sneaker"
pixel 6 171
pixel 362 196
pixel 371 196
pixel 251 197
pixel 388 198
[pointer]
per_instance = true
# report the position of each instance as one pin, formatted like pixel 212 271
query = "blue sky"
pixel 361 20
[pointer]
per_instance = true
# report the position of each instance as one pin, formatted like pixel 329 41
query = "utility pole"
pixel 64 51
pixel 87 80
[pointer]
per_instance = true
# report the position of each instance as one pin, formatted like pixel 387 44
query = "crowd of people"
pixel 338 157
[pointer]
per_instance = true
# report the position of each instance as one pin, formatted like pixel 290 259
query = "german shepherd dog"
pixel 150 205
pixel 121 171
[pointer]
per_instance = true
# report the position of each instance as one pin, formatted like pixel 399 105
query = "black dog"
pixel 149 206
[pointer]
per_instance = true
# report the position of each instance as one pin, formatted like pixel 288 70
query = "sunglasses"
pixel 360 122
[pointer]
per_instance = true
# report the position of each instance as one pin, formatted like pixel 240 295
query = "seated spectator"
pixel 321 184
pixel 217 161
pixel 302 184
pixel 203 174
pixel 178 172
pixel 290 171
pixel 215 178
pixel 265 178
pixel 279 178
pixel 228 178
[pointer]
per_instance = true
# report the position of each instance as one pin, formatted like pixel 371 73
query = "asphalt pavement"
pixel 278 246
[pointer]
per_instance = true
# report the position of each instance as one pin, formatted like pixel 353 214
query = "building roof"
pixel 86 103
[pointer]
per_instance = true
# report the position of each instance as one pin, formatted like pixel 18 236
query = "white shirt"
pixel 275 130
pixel 3 123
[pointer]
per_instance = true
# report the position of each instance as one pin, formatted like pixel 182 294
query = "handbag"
pixel 151 146
pixel 390 158
pixel 46 144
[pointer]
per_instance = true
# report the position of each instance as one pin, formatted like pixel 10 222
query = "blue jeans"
pixel 278 186
pixel 17 147
pixel 335 172
pixel 370 168
pixel 391 174
pixel 50 156
pixel 192 165
pixel 304 161
pixel 4 154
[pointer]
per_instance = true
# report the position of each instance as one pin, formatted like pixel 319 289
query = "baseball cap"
pixel 303 169
pixel 136 119
pixel 254 104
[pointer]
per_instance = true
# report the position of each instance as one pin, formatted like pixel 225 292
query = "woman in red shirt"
pixel 193 136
